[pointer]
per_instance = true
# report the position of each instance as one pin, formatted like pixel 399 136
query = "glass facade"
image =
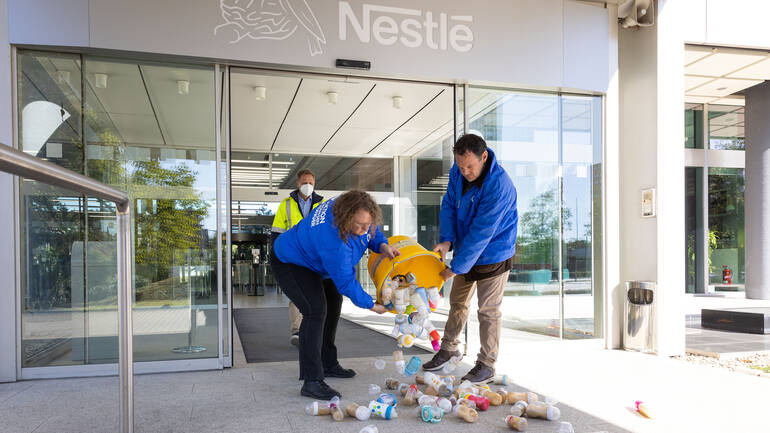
pixel 726 226
pixel 130 126
pixel 726 127
pixel 148 128
pixel 536 137
pixel 714 201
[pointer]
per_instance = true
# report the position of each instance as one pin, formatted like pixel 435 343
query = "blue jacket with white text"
pixel 481 224
pixel 315 243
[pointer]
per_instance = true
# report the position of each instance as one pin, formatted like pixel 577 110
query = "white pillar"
pixel 652 156
pixel 613 297
pixel 8 311
pixel 406 197
pixel 757 192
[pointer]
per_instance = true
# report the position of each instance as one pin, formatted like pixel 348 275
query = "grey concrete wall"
pixel 7 213
pixel 757 192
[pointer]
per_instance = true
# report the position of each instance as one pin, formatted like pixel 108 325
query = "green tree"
pixel 538 237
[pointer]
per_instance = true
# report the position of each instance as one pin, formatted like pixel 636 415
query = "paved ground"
pixel 257 398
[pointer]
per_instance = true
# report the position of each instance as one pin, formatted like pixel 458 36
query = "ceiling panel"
pixel 723 62
pixel 692 81
pixel 730 100
pixel 723 87
pixel 312 119
pixel 694 53
pixel 429 125
pixel 698 99
pixel 255 123
pixel 758 71
pixel 137 128
pixel 186 120
pixel 376 118
pixel 123 104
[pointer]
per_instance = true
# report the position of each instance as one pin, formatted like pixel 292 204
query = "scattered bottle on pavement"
pixel 334 406
pixel 391 383
pixel 317 408
pixel 405 340
pixel 432 414
pixel 538 409
pixel 519 408
pixel 643 409
pixel 361 413
pixel 387 398
pixel 369 429
pixel 516 423
pixel 413 366
pixel 565 427
pixel 374 389
pixel 466 413
pixel 383 410
pixel 502 379
pixel 379 364
pixel 398 360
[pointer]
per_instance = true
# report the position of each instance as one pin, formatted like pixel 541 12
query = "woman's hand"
pixel 379 308
pixel 389 251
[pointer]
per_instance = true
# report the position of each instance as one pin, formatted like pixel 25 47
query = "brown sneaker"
pixel 440 359
pixel 480 374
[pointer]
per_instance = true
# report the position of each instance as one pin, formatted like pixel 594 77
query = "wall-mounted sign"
pixel 648 203
pixel 549 43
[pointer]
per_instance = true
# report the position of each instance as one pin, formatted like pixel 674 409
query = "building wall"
pixel 531 43
pixel 736 23
pixel 537 44
pixel 7 213
pixel 651 63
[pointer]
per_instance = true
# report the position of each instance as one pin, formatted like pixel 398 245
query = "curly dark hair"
pixel 346 206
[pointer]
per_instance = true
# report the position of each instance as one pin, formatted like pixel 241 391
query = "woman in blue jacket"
pixel 328 243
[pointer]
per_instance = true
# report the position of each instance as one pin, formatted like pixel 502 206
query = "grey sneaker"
pixel 294 339
pixel 440 359
pixel 480 374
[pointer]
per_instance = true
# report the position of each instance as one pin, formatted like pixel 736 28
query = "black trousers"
pixel 320 304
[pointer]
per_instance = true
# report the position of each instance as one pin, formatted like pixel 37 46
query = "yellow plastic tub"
pixel 425 265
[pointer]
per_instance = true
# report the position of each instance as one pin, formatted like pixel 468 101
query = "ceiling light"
pixel 63 77
pixel 183 87
pixel 333 97
pixel 397 101
pixel 260 93
pixel 100 81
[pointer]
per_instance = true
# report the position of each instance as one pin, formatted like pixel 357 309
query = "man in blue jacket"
pixel 478 222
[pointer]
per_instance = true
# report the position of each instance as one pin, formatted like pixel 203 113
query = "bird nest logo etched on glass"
pixel 270 19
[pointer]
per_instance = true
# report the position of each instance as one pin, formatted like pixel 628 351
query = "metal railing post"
pixel 125 323
pixel 19 163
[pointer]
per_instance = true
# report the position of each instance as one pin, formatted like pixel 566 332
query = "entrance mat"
pixel 264 335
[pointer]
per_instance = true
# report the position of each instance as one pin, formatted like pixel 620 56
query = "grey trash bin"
pixel 639 316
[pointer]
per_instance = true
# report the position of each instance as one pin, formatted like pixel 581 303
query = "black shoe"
pixel 294 339
pixel 319 390
pixel 480 374
pixel 440 359
pixel 338 371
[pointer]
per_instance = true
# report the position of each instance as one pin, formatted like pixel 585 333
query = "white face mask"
pixel 306 189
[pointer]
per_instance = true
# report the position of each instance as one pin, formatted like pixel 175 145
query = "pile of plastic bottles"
pixel 434 397
pixel 413 305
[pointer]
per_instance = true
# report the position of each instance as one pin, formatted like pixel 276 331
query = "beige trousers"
pixel 295 319
pixel 490 296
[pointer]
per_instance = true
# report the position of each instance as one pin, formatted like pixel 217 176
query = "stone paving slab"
pixel 257 398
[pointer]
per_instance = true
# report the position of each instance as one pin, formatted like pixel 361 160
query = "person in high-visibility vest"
pixel 290 212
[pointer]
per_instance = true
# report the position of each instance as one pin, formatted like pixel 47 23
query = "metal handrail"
pixel 19 163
